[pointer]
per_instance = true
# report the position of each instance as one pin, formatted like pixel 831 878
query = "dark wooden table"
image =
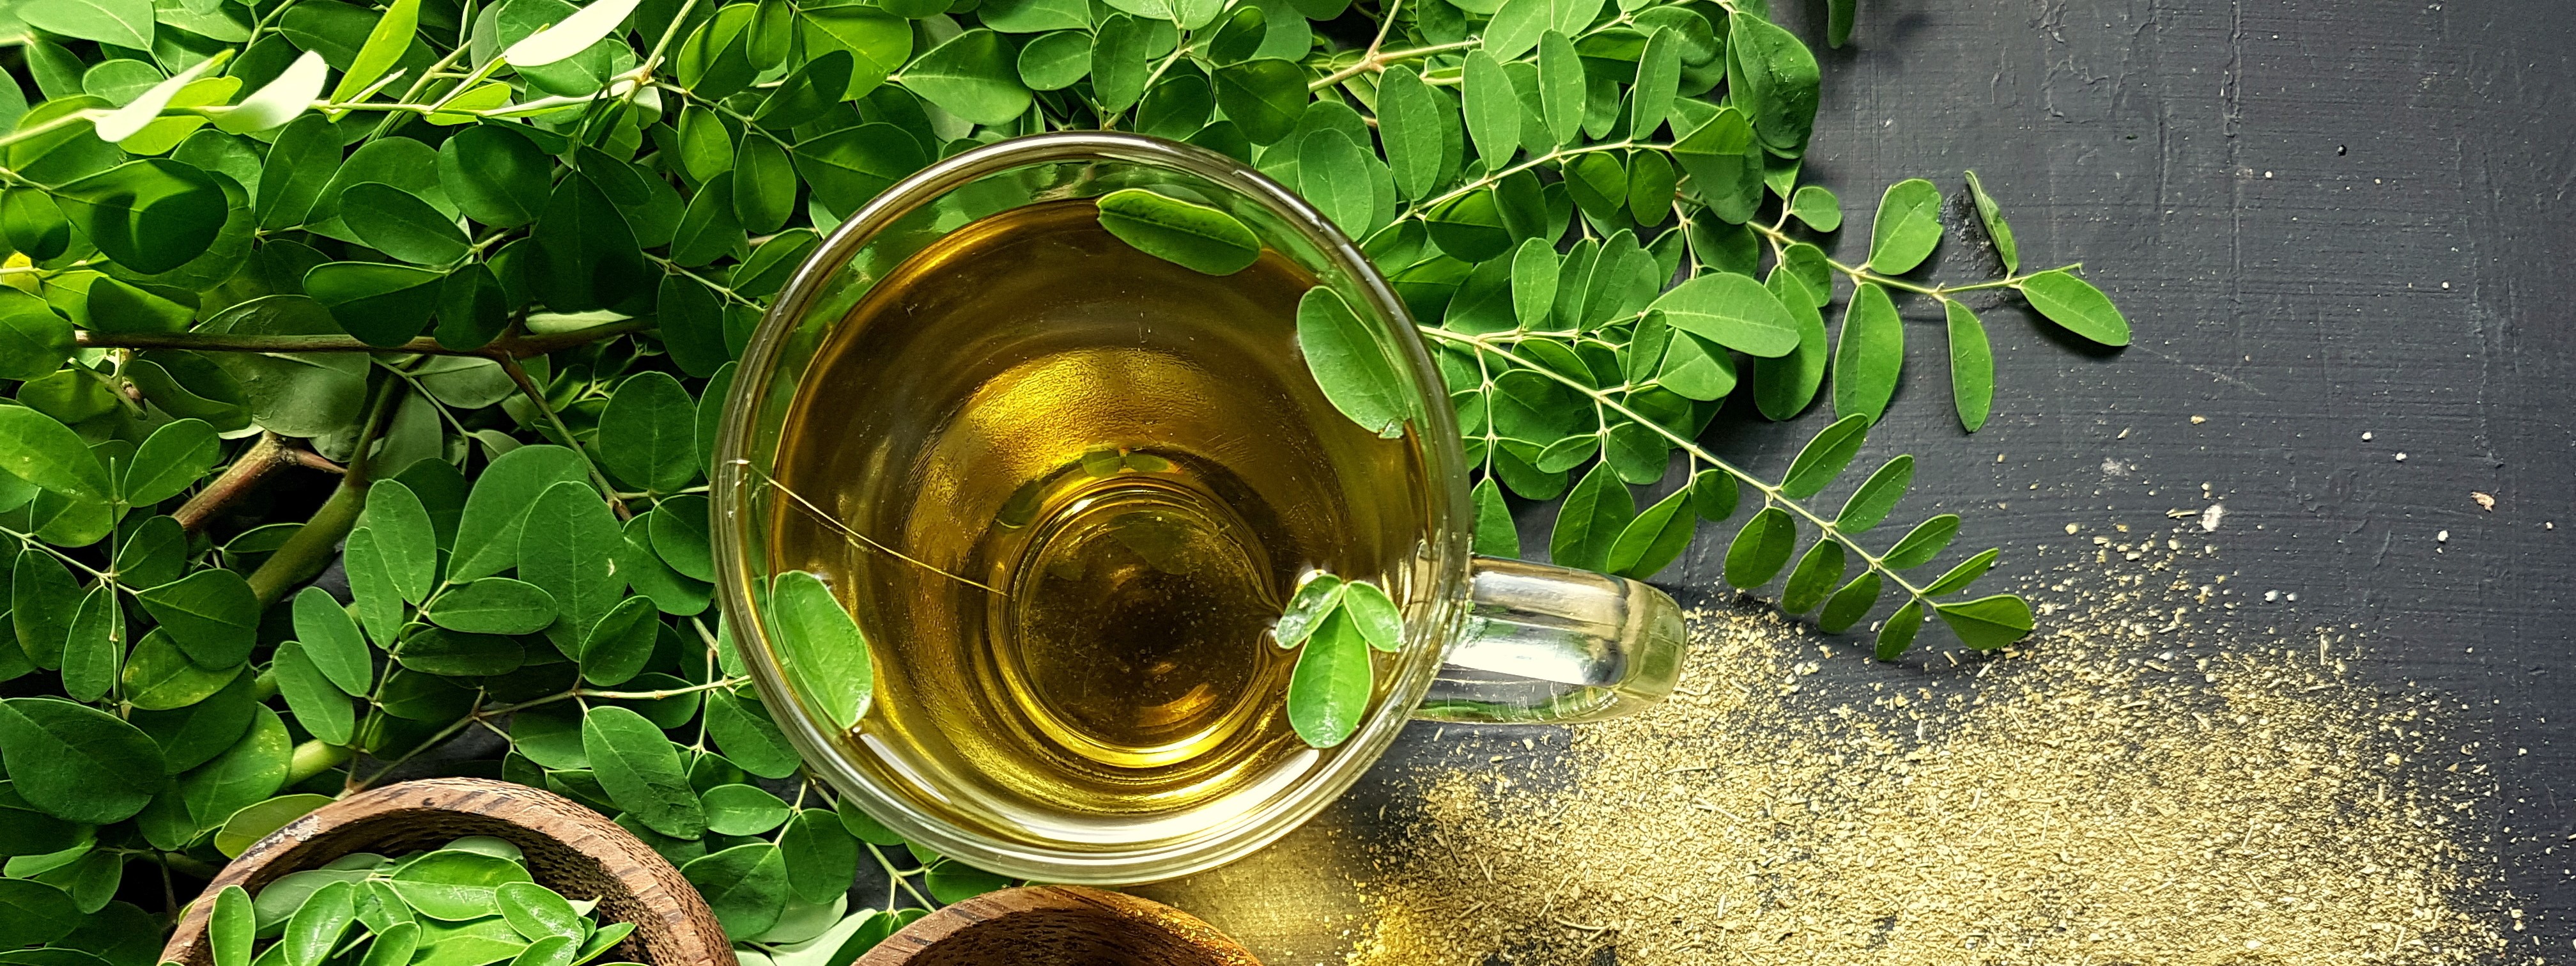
pixel 2324 218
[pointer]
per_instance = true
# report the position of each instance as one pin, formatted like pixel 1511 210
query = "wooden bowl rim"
pixel 996 909
pixel 687 927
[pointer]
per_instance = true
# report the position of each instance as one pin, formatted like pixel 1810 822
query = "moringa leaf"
pixel 1815 576
pixel 1898 632
pixel 1850 604
pixel 1907 228
pixel 1868 354
pixel 1193 236
pixel 1824 457
pixel 1966 572
pixel 640 770
pixel 1998 231
pixel 1761 548
pixel 1346 360
pixel 1972 367
pixel 820 648
pixel 1876 496
pixel 2077 306
pixel 1733 311
pixel 1987 623
pixel 1922 543
pixel 1328 691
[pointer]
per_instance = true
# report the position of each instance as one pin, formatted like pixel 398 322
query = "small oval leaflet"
pixel 1193 236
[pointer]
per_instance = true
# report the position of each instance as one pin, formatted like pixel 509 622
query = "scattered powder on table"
pixel 2151 779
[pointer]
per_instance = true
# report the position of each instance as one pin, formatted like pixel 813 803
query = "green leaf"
pixel 617 648
pixel 1655 538
pixel 1055 61
pixel 1374 615
pixel 331 641
pixel 1824 457
pixel 741 727
pixel 822 858
pixel 1333 175
pixel 1344 356
pixel 648 434
pixel 1035 16
pixel 1598 185
pixel 76 762
pixel 1838 21
pixel 1496 536
pixel 495 175
pixel 244 775
pixel 1761 548
pixel 38 449
pixel 172 459
pixel 457 654
pixel 33 340
pixel 487 535
pixel 1412 129
pixel 1590 521
pixel 1724 160
pixel 1998 231
pixel 494 605
pixel 42 599
pixel 317 926
pixel 1907 228
pixel 952 881
pixel 745 885
pixel 1517 24
pixel 478 942
pixel 383 305
pixel 230 928
pixel 819 647
pixel 1868 354
pixel 2076 305
pixel 249 825
pixel 1714 495
pixel 150 215
pixel 371 586
pixel 124 23
pixel 568 547
pixel 405 539
pixel 1818 207
pixel 1659 75
pixel 1876 496
pixel 537 912
pixel 1196 237
pixel 1849 604
pixel 1768 68
pixel 318 704
pixel 742 810
pixel 973 75
pixel 1493 109
pixel 1898 633
pixel 1318 595
pixel 1534 282
pixel 1972 367
pixel 1120 63
pixel 1733 311
pixel 850 166
pixel 1651 183
pixel 456 885
pixel 1328 692
pixel 1561 86
pixel 640 769
pixel 399 224
pixel 1959 577
pixel 1816 574
pixel 764 184
pixel 211 614
pixel 393 34
pixel 1921 544
pixel 95 646
pixel 34 912
pixel 1265 97
pixel 393 945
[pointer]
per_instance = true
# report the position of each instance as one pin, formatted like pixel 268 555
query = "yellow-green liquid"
pixel 1132 462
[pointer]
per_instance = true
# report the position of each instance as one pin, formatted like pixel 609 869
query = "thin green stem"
pixel 537 397
pixel 1780 241
pixel 898 876
pixel 1770 494
pixel 1377 62
pixel 1496 178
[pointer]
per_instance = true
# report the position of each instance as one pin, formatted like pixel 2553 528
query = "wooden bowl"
pixel 1058 926
pixel 569 848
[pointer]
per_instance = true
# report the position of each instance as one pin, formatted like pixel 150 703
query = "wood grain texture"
pixel 569 848
pixel 1058 926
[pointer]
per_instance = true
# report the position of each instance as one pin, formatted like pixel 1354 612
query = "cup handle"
pixel 1549 644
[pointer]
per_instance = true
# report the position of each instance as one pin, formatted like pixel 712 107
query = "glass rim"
pixel 1435 624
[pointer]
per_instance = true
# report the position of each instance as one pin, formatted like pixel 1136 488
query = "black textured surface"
pixel 2324 218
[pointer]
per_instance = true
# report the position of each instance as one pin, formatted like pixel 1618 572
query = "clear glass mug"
pixel 1487 640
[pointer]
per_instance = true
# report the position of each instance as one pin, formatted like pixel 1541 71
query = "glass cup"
pixel 1486 640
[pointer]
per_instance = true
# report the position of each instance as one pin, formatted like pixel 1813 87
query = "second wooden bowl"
pixel 1058 926
pixel 569 848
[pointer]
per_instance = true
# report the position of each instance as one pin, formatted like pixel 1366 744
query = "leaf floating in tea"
pixel 1348 363
pixel 1317 597
pixel 1193 236
pixel 1374 614
pixel 1330 687
pixel 820 647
